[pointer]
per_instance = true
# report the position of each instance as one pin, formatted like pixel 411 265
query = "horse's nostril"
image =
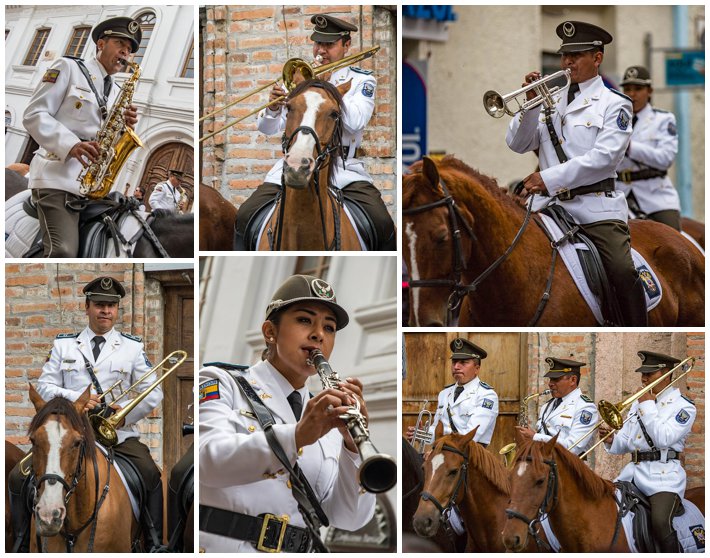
pixel 56 514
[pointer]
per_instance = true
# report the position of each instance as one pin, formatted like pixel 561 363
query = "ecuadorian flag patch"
pixel 50 76
pixel 209 390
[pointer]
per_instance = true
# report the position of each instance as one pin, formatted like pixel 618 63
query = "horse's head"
pixel 533 481
pixel 437 243
pixel 61 437
pixel 314 127
pixel 445 474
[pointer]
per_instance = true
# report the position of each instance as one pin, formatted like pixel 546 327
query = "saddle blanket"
pixel 690 528
pixel 346 210
pixel 116 466
pixel 693 242
pixel 568 253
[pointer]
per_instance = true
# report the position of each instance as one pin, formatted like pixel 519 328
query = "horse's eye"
pixel 539 482
pixel 334 114
pixel 452 472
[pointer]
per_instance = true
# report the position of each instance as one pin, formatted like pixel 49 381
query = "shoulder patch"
pixel 67 335
pixel 672 130
pixel 226 365
pixel 587 399
pixel 209 390
pixel 485 385
pixel 688 399
pixel 585 417
pixel 622 121
pixel 682 417
pixel 620 94
pixel 368 90
pixel 50 76
pixel 132 337
pixel 487 403
pixel 360 70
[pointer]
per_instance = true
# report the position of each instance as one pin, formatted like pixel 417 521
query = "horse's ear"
pixel 469 437
pixel 80 403
pixel 550 445
pixel 36 399
pixel 345 87
pixel 439 430
pixel 430 172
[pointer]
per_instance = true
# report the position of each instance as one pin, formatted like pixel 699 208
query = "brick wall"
pixel 611 360
pixel 43 300
pixel 245 47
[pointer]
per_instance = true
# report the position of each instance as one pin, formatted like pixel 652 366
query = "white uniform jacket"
pixel 164 196
pixel 476 406
pixel 573 418
pixel 654 144
pixel 594 131
pixel 239 472
pixel 122 357
pixel 668 422
pixel 62 112
pixel 358 104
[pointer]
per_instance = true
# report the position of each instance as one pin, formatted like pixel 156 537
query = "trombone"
pixel 422 437
pixel 288 74
pixel 497 105
pixel 612 413
pixel 105 428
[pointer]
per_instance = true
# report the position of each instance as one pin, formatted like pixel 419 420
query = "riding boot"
pixel 152 520
pixel 239 240
pixel 633 306
pixel 670 543
pixel 21 517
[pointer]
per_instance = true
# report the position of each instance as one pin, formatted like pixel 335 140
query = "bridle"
pixel 323 158
pixel 460 289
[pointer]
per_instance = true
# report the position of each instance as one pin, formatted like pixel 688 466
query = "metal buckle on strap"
pixel 565 195
pixel 625 176
pixel 267 533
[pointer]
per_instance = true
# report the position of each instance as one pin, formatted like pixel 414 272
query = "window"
pixel 147 22
pixel 313 265
pixel 188 68
pixel 78 41
pixel 36 48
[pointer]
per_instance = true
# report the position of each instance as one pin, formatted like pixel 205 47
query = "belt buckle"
pixel 635 457
pixel 625 176
pixel 268 517
pixel 564 195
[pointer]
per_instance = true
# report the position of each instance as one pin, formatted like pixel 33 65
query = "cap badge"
pixel 133 27
pixel 458 344
pixel 106 283
pixel 568 29
pixel 322 289
pixel 321 22
pixel 632 73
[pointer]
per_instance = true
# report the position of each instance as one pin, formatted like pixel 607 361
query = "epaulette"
pixel 73 57
pixel 688 399
pixel 360 70
pixel 449 385
pixel 67 335
pixel 587 399
pixel 132 337
pixel 226 365
pixel 485 385
pixel 620 94
pixel 661 111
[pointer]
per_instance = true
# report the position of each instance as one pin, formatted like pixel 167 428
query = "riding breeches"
pixel 59 224
pixel 670 217
pixel 139 454
pixel 663 508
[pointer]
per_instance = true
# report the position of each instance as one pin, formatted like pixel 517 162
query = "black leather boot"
pixel 152 520
pixel 633 306
pixel 21 517
pixel 670 543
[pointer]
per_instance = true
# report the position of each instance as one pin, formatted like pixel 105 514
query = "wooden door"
pixel 429 371
pixel 174 155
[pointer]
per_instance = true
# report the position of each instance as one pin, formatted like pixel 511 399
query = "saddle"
pixel 359 218
pixel 134 481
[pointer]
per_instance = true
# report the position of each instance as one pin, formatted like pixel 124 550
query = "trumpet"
pixel 508 451
pixel 288 73
pixel 497 105
pixel 612 414
pixel 378 471
pixel 422 437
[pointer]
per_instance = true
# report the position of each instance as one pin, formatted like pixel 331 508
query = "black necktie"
pixel 107 86
pixel 571 91
pixel 296 402
pixel 634 120
pixel 557 402
pixel 457 392
pixel 98 340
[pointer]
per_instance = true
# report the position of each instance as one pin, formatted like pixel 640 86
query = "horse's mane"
pixel 166 218
pixel 591 483
pixel 77 421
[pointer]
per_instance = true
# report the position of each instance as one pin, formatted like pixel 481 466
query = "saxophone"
pixel 116 143
pixel 508 451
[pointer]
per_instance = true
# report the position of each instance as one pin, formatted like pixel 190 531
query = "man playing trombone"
pixel 654 433
pixel 331 42
pixel 100 357
pixel 580 142
pixel 569 413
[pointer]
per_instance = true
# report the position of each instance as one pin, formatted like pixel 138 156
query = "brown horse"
pixel 217 218
pixel 72 481
pixel 548 479
pixel 449 241
pixel 13 455
pixel 308 215
pixel 694 229
pixel 460 472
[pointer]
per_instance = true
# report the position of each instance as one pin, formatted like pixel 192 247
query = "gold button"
pixel 288 483
pixel 589 124
pixel 300 452
pixel 251 428
pixel 285 517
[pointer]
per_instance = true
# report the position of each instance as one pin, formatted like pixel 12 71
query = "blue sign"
pixel 414 115
pixel 437 13
pixel 685 67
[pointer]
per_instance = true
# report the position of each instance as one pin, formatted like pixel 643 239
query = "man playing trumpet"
pixel 331 42
pixel 654 433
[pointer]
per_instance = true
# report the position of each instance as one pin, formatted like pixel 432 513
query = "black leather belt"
pixel 629 176
pixel 267 532
pixel 607 186
pixel 639 456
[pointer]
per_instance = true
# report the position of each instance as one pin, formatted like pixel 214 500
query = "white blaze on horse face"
pixel 414 272
pixel 52 494
pixel 522 466
pixel 436 462
pixel 303 147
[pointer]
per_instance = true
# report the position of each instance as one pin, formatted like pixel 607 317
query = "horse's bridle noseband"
pixel 53 478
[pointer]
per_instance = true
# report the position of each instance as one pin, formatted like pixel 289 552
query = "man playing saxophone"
pixel 65 112
pixel 569 413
